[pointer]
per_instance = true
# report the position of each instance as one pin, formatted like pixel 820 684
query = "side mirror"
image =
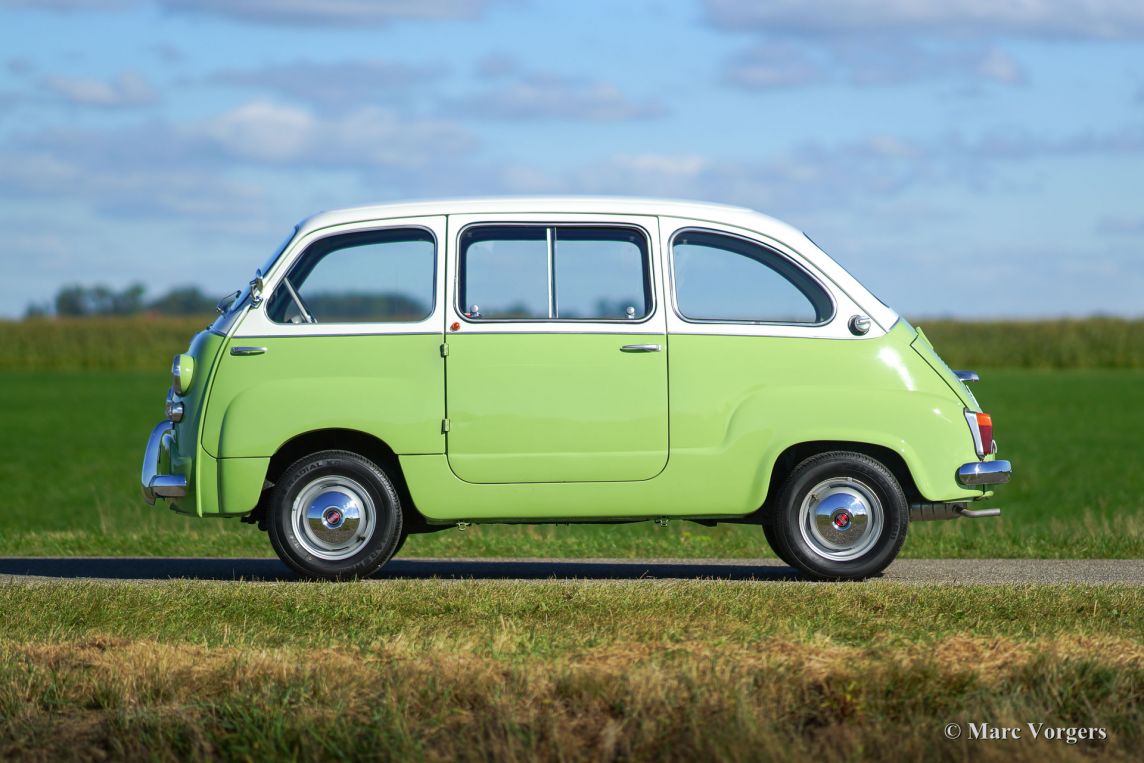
pixel 256 285
pixel 225 303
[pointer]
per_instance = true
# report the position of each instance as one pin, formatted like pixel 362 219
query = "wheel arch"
pixel 794 455
pixel 356 441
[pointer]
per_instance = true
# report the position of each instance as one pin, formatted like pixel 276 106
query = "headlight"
pixel 182 373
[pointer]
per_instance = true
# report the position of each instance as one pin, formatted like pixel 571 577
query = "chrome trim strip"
pixel 157 485
pixel 548 231
pixel 984 473
pixel 967 376
pixel 173 408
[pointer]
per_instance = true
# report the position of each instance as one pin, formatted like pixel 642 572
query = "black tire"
pixel 857 494
pixel 772 541
pixel 340 543
pixel 400 544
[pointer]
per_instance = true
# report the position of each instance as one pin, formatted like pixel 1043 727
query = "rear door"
pixel 557 351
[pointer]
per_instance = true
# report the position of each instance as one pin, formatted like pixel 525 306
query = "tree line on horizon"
pixel 100 300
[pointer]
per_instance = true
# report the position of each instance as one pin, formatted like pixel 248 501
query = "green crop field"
pixel 73 440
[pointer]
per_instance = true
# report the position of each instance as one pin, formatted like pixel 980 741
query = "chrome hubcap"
pixel 841 519
pixel 333 517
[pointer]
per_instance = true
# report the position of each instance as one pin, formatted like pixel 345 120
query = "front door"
pixel 557 353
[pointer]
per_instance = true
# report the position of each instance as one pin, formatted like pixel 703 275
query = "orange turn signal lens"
pixel 985 426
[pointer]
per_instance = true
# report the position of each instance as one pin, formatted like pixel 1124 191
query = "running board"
pixel 930 512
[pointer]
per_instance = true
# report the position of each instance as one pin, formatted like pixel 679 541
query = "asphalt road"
pixel 949 571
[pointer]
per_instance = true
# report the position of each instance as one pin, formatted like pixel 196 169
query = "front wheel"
pixel 840 516
pixel 334 515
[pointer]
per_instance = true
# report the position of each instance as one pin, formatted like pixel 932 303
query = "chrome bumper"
pixel 157 485
pixel 984 473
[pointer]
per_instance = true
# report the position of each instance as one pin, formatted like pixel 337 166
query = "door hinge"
pixel 444 426
pixel 444 350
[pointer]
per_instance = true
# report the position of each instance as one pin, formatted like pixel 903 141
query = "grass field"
pixel 141 342
pixel 474 670
pixel 73 442
pixel 576 670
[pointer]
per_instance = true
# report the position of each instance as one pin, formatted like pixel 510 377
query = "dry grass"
pixel 437 670
pixel 777 699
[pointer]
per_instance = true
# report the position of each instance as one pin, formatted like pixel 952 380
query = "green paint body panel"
pixel 186 455
pixel 552 407
pixel 565 426
pixel 736 403
pixel 390 386
pixel 923 347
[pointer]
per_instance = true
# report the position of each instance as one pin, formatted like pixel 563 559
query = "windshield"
pixel 223 322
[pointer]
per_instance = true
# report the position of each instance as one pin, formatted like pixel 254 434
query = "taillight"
pixel 985 426
pixel 981 427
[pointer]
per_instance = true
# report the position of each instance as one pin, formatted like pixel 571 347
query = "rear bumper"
pixel 156 485
pixel 984 473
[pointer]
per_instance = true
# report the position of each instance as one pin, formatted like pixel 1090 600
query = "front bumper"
pixel 157 485
pixel 984 473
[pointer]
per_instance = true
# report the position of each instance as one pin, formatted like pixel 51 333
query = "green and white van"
pixel 410 367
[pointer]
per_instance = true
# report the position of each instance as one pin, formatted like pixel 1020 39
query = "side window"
pixel 384 276
pixel 601 274
pixel 504 272
pixel 725 278
pixel 525 272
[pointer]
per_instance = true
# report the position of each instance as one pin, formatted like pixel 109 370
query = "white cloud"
pixel 264 132
pixel 344 84
pixel 518 94
pixel 69 5
pixel 771 64
pixel 329 12
pixel 1061 19
pixel 998 66
pixel 133 192
pixel 261 132
pixel 126 89
pixel 774 65
pixel 1124 226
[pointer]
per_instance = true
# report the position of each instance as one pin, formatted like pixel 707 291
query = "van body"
pixel 407 367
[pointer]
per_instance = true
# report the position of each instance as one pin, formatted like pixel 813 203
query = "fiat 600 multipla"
pixel 409 367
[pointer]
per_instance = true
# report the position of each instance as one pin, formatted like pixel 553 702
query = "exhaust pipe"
pixel 930 512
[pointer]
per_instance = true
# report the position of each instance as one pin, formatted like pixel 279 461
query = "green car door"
pixel 556 365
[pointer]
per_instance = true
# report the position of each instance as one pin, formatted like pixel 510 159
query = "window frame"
pixel 297 259
pixel 673 285
pixel 550 229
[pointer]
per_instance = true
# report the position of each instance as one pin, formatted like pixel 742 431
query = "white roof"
pixel 725 214
pixel 622 205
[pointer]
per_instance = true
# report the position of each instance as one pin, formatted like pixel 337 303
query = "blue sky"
pixel 966 157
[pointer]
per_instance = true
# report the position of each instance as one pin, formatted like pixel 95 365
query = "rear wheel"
pixel 840 516
pixel 334 515
pixel 772 541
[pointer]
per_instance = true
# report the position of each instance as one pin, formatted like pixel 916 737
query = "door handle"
pixel 247 350
pixel 640 348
